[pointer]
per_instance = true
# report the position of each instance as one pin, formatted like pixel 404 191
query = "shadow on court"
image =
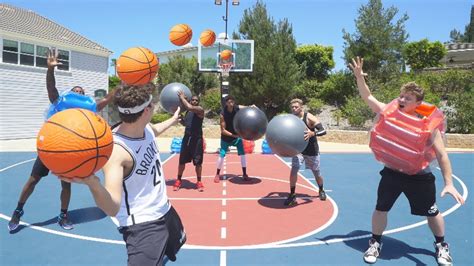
pixel 78 216
pixel 275 200
pixel 238 179
pixel 392 249
pixel 185 184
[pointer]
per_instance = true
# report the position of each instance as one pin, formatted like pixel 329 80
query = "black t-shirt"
pixel 193 124
pixel 229 123
pixel 313 148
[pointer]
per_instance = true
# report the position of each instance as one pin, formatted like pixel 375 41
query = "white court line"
pixel 13 165
pixel 280 244
pixel 214 163
pixel 224 184
pixel 224 192
pixel 312 187
pixel 223 233
pixel 223 258
pixel 251 199
pixel 76 236
pixel 224 215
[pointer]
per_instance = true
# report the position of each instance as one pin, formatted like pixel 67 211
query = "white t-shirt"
pixel 144 195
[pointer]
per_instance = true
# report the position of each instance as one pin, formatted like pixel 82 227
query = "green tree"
pixel 114 81
pixel 113 63
pixel 378 39
pixel 423 54
pixel 317 60
pixel 183 70
pixel 338 87
pixel 276 71
pixel 468 35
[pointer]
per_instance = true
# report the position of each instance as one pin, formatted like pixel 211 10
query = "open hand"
pixel 450 189
pixel 308 134
pixel 356 67
pixel 52 58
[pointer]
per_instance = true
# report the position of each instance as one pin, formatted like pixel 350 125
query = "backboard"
pixel 242 55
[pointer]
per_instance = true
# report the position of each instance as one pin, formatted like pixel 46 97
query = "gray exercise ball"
pixel 169 99
pixel 285 135
pixel 250 123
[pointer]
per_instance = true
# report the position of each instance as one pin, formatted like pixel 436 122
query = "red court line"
pixel 254 211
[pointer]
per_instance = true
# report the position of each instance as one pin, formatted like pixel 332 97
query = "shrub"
pixel 211 101
pixel 306 90
pixel 160 117
pixel 461 119
pixel 356 111
pixel 337 114
pixel 314 105
pixel 337 88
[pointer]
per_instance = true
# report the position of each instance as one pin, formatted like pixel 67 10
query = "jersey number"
pixel 156 168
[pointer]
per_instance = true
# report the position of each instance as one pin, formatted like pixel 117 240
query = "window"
pixel 63 57
pixel 27 54
pixel 41 55
pixel 10 51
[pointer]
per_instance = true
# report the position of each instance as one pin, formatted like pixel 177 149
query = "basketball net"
pixel 225 68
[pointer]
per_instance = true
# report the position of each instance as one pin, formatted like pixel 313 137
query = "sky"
pixel 120 24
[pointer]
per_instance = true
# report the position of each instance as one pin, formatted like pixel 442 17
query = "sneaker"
pixel 177 185
pixel 200 186
pixel 373 252
pixel 322 195
pixel 442 254
pixel 64 222
pixel 217 179
pixel 291 200
pixel 15 220
pixel 246 177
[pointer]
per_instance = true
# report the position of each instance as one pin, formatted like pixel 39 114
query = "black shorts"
pixel 147 243
pixel 177 235
pixel 39 169
pixel 191 150
pixel 419 189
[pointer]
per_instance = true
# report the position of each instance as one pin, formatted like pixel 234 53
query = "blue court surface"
pixel 351 181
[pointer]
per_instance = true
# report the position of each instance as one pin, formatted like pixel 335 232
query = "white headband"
pixel 136 109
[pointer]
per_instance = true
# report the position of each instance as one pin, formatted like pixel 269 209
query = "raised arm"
pixel 198 110
pixel 161 127
pixel 446 170
pixel 364 91
pixel 52 61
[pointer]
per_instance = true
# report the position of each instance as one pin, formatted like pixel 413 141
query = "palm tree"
pixel 113 64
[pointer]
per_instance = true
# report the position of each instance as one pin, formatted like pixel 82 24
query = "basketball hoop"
pixel 225 68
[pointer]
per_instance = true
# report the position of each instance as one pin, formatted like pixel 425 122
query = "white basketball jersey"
pixel 144 195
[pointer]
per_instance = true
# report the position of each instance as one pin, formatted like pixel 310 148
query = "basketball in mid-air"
pixel 207 38
pixel 226 54
pixel 75 143
pixel 180 34
pixel 137 66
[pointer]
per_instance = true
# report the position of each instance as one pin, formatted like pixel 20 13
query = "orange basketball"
pixel 181 34
pixel 75 143
pixel 207 38
pixel 226 54
pixel 137 66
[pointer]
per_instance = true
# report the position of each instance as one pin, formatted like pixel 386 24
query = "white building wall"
pixel 24 98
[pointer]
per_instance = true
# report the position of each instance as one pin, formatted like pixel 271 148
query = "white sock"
pixel 243 161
